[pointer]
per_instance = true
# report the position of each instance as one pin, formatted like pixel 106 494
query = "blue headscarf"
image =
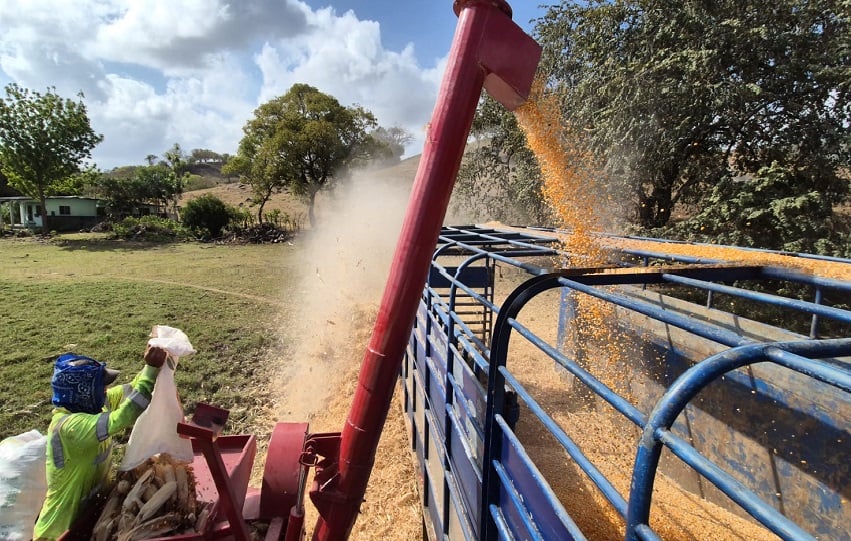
pixel 78 383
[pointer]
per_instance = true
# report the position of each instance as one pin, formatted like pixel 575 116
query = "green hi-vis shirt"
pixel 79 448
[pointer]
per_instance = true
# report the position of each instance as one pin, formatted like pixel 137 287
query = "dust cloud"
pixel 341 279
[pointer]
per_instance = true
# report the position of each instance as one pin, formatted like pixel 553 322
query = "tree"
pixel 175 158
pixel 43 140
pixel 254 163
pixel 157 184
pixel 499 178
pixel 307 140
pixel 77 184
pixel 119 193
pixel 777 208
pixel 204 155
pixel 680 95
pixel 123 192
pixel 391 143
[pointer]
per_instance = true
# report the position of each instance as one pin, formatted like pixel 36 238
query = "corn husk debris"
pixel 156 498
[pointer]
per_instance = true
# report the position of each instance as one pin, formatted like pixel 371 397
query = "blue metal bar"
pixel 478 359
pixel 742 248
pixel 797 356
pixel 607 489
pixel 529 526
pixel 670 257
pixel 710 332
pixel 543 486
pixel 645 533
pixel 602 390
pixel 451 413
pixel 511 250
pixel 451 315
pixel 781 273
pixel 497 242
pixel 466 529
pixel 496 388
pixel 502 240
pixel 774 300
pixel 769 272
pixel 814 321
pixel 456 283
pixel 499 520
pixel 736 491
pixel 499 256
pixel 801 255
pixel 825 373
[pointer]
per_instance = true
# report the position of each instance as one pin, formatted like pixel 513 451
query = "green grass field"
pixel 104 296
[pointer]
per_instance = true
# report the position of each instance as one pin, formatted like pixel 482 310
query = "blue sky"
pixel 429 24
pixel 159 72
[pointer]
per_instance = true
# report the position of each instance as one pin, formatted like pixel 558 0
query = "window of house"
pixel 64 210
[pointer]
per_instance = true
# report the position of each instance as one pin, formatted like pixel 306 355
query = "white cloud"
pixel 156 72
pixel 344 58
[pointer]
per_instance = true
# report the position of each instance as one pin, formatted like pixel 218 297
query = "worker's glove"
pixel 155 356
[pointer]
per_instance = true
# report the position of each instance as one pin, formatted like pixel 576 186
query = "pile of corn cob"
pixel 155 499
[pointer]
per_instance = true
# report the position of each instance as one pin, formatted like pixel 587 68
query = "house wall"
pixel 78 207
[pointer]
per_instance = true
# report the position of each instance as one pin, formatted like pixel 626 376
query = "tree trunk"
pixel 310 204
pixel 654 210
pixel 260 212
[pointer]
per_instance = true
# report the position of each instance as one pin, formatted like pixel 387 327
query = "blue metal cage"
pixel 737 410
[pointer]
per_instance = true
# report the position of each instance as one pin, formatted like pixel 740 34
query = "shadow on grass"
pixel 105 244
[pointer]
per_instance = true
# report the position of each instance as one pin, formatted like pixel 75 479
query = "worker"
pixel 79 440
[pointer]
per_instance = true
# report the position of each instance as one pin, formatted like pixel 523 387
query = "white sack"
pixel 155 430
pixel 23 483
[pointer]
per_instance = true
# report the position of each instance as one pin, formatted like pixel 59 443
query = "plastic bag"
pixel 155 430
pixel 23 483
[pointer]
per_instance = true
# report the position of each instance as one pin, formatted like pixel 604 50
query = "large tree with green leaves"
pixel 680 95
pixel 44 139
pixel 306 140
pixel 690 103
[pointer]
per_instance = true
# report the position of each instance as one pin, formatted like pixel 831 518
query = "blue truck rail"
pixel 752 417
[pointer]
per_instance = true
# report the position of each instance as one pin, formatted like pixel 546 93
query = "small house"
pixel 67 212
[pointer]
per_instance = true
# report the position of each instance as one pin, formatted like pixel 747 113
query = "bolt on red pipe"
pixel 490 51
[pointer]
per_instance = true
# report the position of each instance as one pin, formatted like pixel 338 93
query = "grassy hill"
pixel 238 194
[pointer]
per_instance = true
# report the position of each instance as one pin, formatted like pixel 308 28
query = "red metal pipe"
pixel 488 50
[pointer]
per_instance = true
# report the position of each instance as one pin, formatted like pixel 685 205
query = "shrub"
pixel 207 215
pixel 197 182
pixel 149 228
pixel 241 218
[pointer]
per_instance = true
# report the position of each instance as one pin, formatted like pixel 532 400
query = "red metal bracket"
pixel 322 452
pixel 204 429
